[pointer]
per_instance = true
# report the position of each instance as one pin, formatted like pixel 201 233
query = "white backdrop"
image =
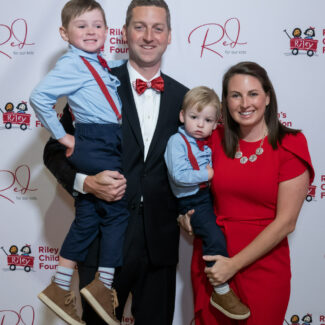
pixel 208 36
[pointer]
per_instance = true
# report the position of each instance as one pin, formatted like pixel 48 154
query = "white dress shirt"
pixel 147 105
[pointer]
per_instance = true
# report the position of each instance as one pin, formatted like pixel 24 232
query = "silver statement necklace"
pixel 243 159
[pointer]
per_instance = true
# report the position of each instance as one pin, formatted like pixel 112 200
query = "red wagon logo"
pixel 27 262
pixel 24 260
pixel 311 193
pixel 298 43
pixel 21 118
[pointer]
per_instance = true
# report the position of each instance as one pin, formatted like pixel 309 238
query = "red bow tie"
pixel 103 62
pixel 157 84
pixel 202 143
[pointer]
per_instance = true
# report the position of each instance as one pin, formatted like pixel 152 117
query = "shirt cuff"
pixel 79 183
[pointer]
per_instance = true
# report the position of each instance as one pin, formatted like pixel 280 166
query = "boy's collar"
pixel 83 53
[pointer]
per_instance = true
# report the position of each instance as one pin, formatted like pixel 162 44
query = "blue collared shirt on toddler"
pixel 183 179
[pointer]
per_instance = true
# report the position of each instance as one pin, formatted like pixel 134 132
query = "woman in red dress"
pixel 262 171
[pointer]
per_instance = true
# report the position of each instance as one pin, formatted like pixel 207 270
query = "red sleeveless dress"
pixel 245 198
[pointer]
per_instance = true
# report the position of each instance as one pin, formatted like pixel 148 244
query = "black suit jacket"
pixel 144 178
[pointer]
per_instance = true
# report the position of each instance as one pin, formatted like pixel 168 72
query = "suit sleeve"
pixel 55 159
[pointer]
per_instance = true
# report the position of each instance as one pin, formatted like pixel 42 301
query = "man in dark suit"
pixel 149 119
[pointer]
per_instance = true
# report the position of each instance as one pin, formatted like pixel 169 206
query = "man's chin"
pixel 150 62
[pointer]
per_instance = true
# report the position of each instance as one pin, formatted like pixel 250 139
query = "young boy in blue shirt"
pixel 83 76
pixel 189 163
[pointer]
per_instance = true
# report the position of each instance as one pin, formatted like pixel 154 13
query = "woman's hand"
pixel 184 221
pixel 223 269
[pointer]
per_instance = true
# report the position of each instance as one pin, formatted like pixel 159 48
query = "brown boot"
pixel 62 302
pixel 230 305
pixel 103 300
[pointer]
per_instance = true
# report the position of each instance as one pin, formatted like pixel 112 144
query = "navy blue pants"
pixel 97 148
pixel 203 222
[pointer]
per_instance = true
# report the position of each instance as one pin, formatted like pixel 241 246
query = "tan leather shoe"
pixel 103 300
pixel 230 305
pixel 62 302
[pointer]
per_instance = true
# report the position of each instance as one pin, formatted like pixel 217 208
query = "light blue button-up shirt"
pixel 184 180
pixel 70 77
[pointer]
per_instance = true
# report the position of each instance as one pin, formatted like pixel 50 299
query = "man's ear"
pixel 124 37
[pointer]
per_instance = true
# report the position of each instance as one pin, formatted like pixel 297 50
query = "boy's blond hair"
pixel 75 8
pixel 200 97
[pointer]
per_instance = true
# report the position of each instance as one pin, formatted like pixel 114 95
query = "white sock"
pixel 63 277
pixel 106 275
pixel 221 289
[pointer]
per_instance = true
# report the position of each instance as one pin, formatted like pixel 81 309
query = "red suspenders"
pixel 192 159
pixel 102 87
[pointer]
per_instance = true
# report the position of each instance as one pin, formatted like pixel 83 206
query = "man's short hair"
pixel 147 3
pixel 75 8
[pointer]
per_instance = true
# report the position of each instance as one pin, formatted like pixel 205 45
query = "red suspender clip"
pixel 103 89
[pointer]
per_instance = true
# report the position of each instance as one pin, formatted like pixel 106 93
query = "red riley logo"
pixel 20 118
pixel 16 261
pixel 311 193
pixel 302 43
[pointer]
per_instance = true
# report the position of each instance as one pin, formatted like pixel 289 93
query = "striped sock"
pixel 63 277
pixel 106 275
pixel 221 289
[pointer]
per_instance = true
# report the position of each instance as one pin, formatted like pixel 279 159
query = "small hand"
pixel 69 142
pixel 210 172
pixel 69 152
pixel 184 221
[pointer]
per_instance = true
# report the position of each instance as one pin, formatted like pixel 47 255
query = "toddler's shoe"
pixel 62 302
pixel 230 305
pixel 103 300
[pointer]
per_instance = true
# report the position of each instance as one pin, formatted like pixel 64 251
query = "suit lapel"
pixel 129 111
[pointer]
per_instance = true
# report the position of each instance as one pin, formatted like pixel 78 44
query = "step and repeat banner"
pixel 208 36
